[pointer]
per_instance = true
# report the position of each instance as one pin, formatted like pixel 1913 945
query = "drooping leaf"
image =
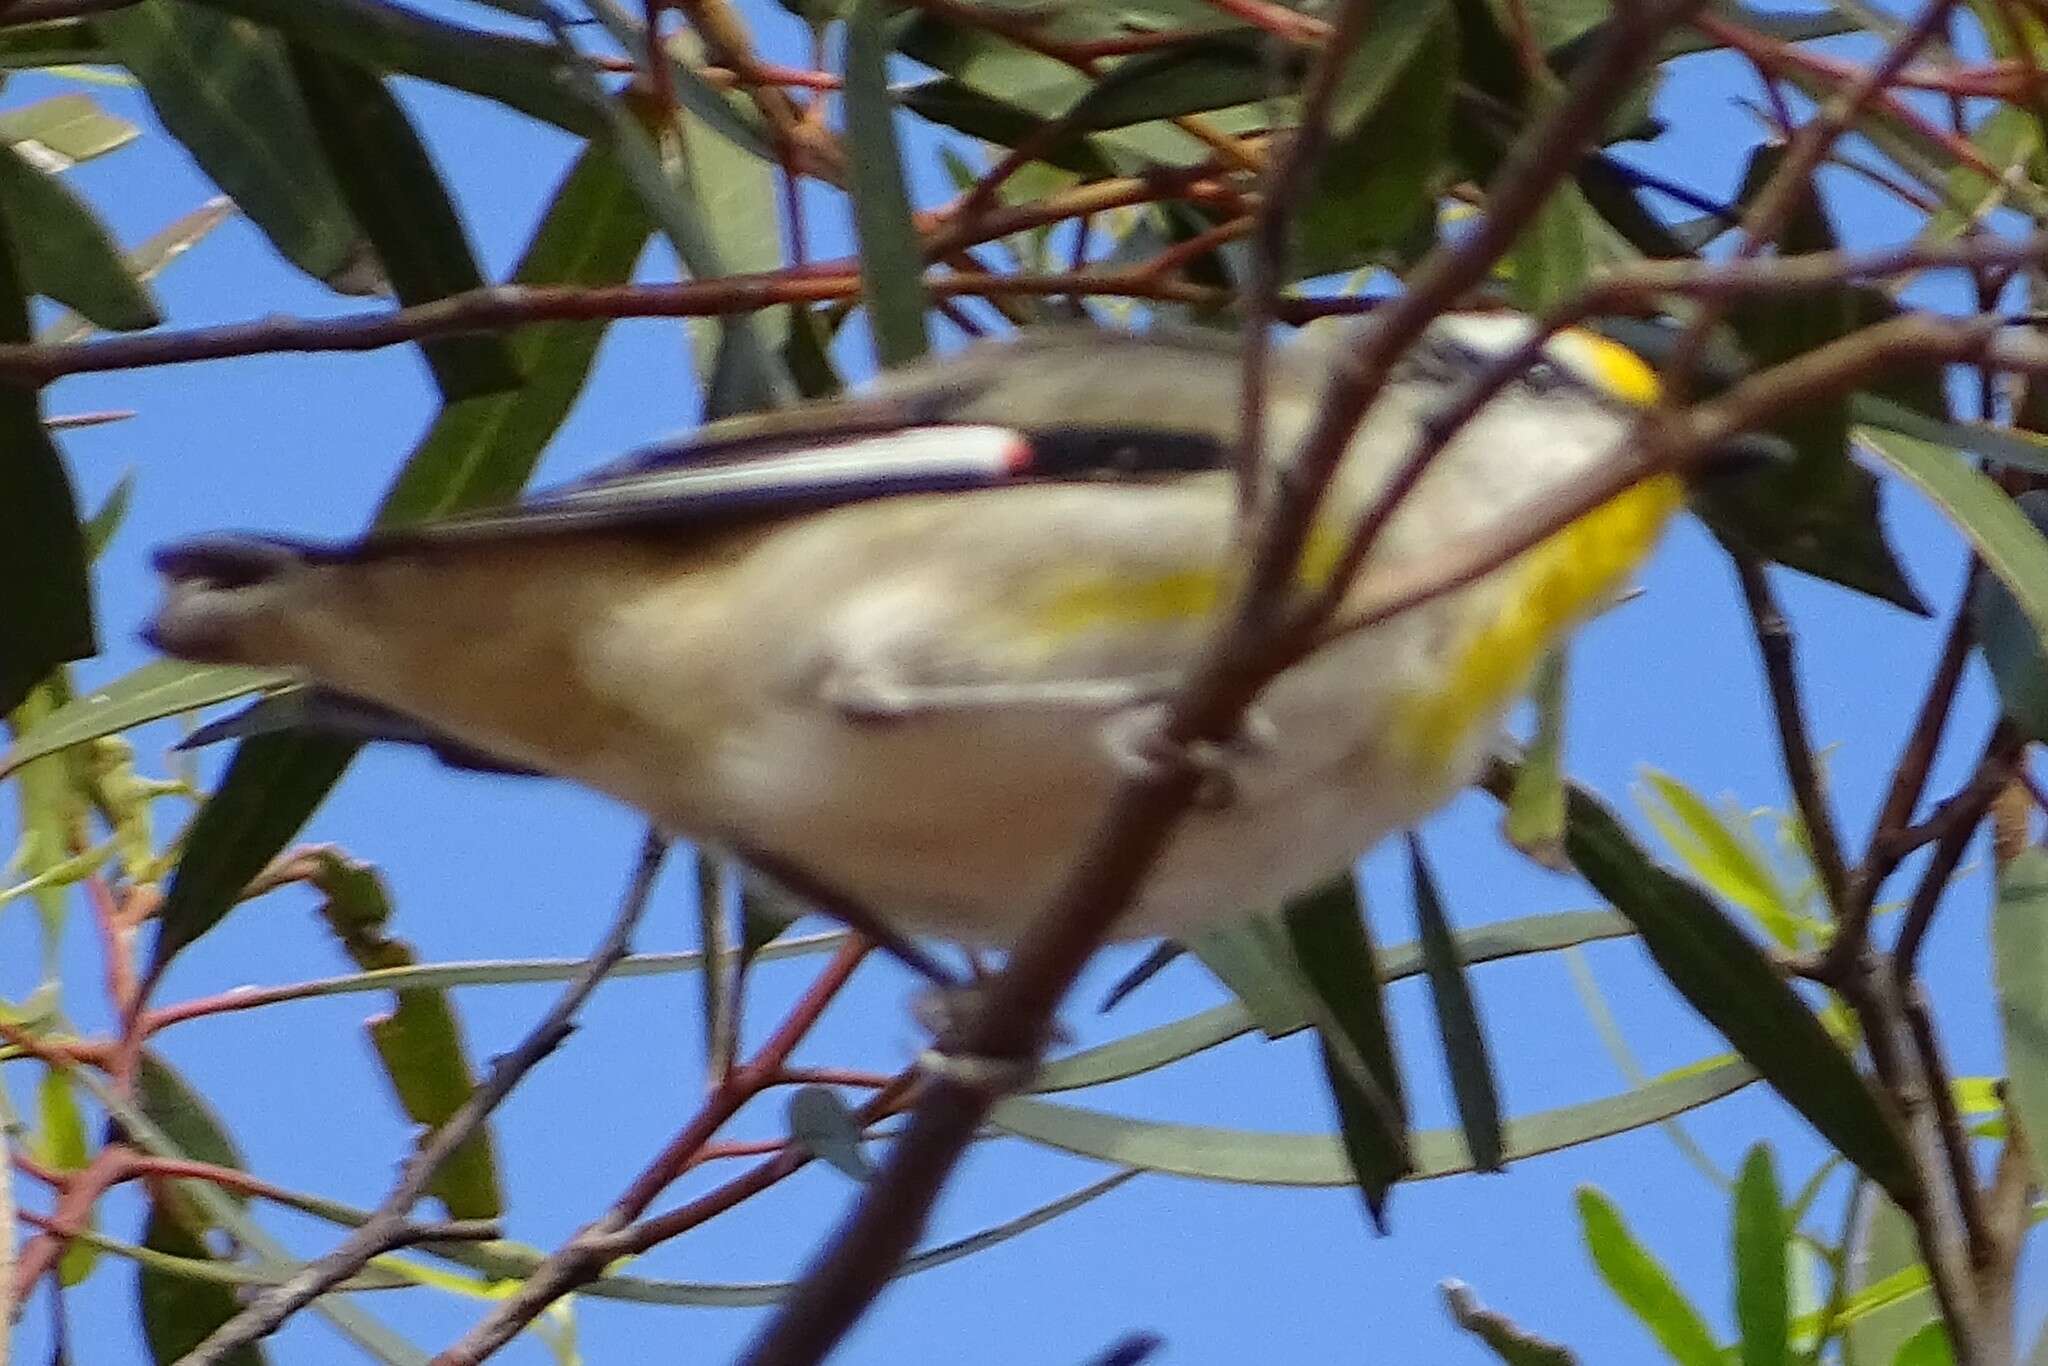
pixel 270 790
pixel 1642 1283
pixel 1762 1301
pixel 1259 971
pixel 1188 78
pixel 891 260
pixel 223 88
pixel 419 1042
pixel 1535 816
pixel 1261 1157
pixel 45 594
pixel 391 187
pixel 1466 1055
pixel 65 253
pixel 1332 949
pixel 1719 855
pixel 1724 976
pixel 178 1312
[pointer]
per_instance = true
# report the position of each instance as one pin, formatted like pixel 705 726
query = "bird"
pixel 891 649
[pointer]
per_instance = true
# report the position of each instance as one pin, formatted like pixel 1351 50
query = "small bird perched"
pixel 896 646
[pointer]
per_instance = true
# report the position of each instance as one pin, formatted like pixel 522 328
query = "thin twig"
pixel 1967 811
pixel 390 1221
pixel 1775 643
pixel 1955 1141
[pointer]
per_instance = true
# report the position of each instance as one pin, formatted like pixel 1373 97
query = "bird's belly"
pixel 964 826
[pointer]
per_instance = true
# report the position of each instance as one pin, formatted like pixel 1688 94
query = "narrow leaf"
pixel 148 260
pixel 891 261
pixel 1727 979
pixel 390 185
pixel 222 87
pixel 57 133
pixel 2012 647
pixel 1883 1245
pixel 2019 951
pixel 1466 1055
pixel 162 688
pixel 1260 972
pixel 1265 1158
pixel 1762 1297
pixel 419 1042
pixel 65 253
pixel 45 594
pixel 1535 818
pixel 270 790
pixel 1641 1283
pixel 1719 856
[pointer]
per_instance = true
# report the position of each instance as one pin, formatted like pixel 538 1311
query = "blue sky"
pixel 484 867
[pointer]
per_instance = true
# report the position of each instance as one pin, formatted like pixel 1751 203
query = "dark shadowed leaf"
pixel 1378 67
pixel 1727 978
pixel 223 88
pixel 65 254
pixel 891 261
pixel 1189 78
pixel 1642 1283
pixel 1763 1311
pixel 390 185
pixel 269 791
pixel 1513 1344
pixel 1466 1055
pixel 419 1042
pixel 180 1312
pixel 517 72
pixel 1333 950
pixel 1259 970
pixel 45 594
pixel 54 42
pixel 2019 949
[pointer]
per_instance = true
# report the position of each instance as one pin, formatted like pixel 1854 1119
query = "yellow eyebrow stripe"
pixel 1618 371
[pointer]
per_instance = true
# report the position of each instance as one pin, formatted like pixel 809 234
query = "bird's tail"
pixel 227 598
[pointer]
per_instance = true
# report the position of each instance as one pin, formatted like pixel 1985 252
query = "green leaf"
pixel 1332 949
pixel 1553 257
pixel 53 42
pixel 1929 1347
pixel 59 1141
pixel 1727 979
pixel 57 133
pixel 1400 30
pixel 1641 1283
pixel 419 1042
pixel 482 450
pixel 1762 1298
pixel 1260 972
pixel 2019 952
pixel 1512 1344
pixel 162 688
pixel 1882 1245
pixel 178 1313
pixel 65 253
pixel 2012 647
pixel 222 87
pixel 1261 1157
pixel 148 260
pixel 45 593
pixel 517 72
pixel 1535 819
pixel 1719 856
pixel 1168 1043
pixel 2011 546
pixel 1376 184
pixel 2013 446
pixel 100 528
pixel 891 259
pixel 270 790
pixel 391 187
pixel 1466 1055
pixel 1189 78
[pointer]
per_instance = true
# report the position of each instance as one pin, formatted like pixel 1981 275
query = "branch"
pixel 1147 807
pixel 389 1227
